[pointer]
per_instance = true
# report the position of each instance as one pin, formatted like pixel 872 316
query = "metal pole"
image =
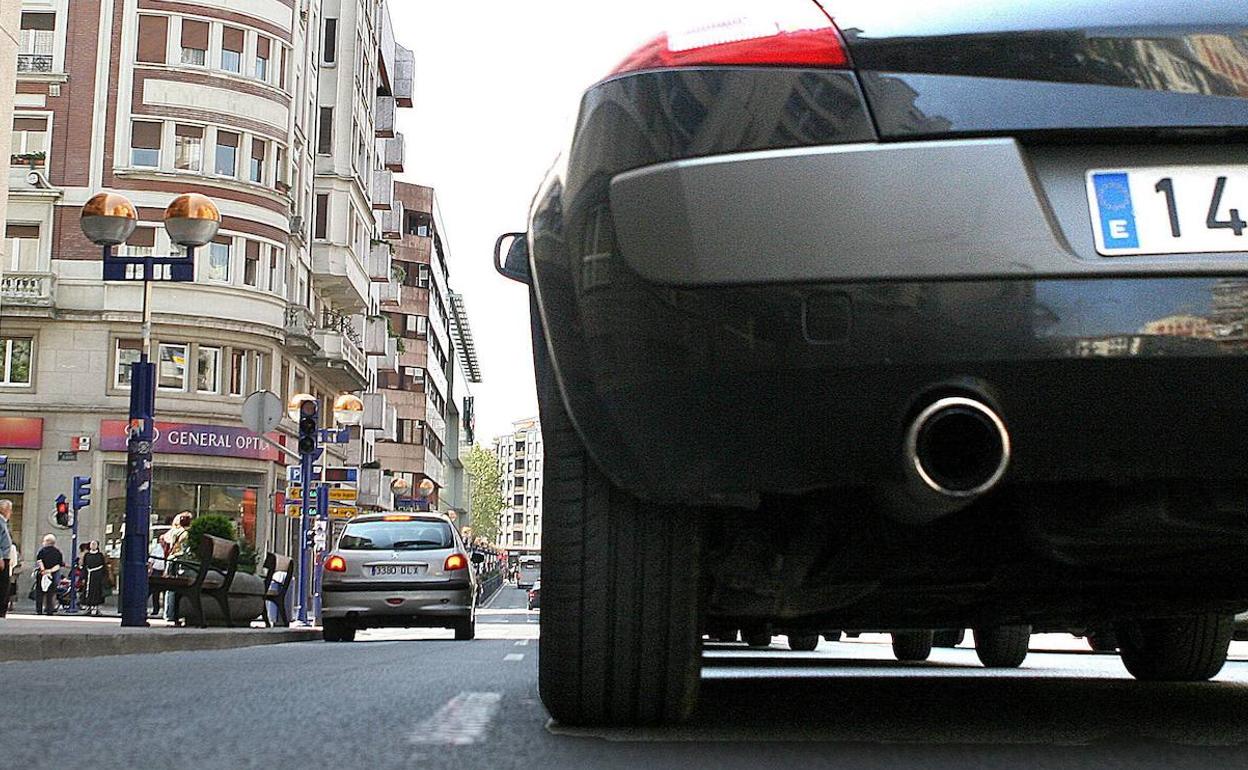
pixel 139 473
pixel 305 532
pixel 322 515
pixel 75 570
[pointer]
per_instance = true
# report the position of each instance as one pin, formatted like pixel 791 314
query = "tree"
pixel 487 491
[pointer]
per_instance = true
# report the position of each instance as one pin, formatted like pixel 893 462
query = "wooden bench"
pixel 214 574
pixel 275 589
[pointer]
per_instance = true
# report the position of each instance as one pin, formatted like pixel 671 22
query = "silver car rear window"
pixel 414 535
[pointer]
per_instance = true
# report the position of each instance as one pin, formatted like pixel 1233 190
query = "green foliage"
pixel 221 526
pixel 487 491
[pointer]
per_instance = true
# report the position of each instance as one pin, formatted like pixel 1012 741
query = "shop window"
pixel 257 160
pixel 219 259
pixel 238 372
pixel 263 46
pixel 208 373
pixel 227 154
pixel 22 245
pixel 251 263
pixel 194 42
pixel 15 357
pixel 232 49
pixel 145 143
pixel 30 142
pixel 171 366
pixel 188 148
pixel 153 37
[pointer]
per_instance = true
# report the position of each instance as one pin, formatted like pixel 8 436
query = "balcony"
pixel 374 411
pixel 376 335
pixel 404 76
pixel 389 363
pixel 393 151
pixel 383 119
pixel 27 290
pixel 300 329
pixel 34 63
pixel 383 189
pixel 375 489
pixel 380 258
pixel 392 221
pixel 344 363
pixel 390 293
pixel 340 276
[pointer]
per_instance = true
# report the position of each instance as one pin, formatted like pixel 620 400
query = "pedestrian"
pixel 77 577
pixel 95 567
pixel 48 563
pixel 175 540
pixel 156 566
pixel 8 555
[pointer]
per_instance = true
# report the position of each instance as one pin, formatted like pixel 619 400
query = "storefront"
pixel 21 439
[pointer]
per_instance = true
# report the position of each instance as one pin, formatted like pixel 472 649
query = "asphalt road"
pixel 418 699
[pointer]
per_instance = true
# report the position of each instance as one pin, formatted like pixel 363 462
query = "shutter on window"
pixel 262 47
pixel 227 139
pixel 21 231
pixel 142 237
pixel 30 124
pixel 232 39
pixel 145 136
pixel 195 34
pixel 153 34
pixel 192 131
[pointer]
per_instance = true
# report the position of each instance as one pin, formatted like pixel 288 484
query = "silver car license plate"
pixel 377 570
pixel 1169 210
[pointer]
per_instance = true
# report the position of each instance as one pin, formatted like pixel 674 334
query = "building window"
pixel 153 36
pixel 188 148
pixel 414 378
pixel 411 432
pixel 22 247
pixel 238 370
pixel 208 375
pixel 257 160
pixel 251 263
pixel 232 49
pixel 320 228
pixel 171 369
pixel 329 51
pixel 260 375
pixel 262 58
pixel 35 42
pixel 227 153
pixel 145 143
pixel 194 42
pixel 15 354
pixel 325 132
pixel 30 142
pixel 275 269
pixel 128 352
pixel 219 259
pixel 141 243
pixel 422 276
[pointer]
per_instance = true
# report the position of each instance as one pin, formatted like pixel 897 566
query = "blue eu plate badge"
pixel 1113 203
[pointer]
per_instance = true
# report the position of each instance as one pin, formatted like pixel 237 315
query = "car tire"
pixel 803 642
pixel 949 637
pixel 1002 646
pixel 337 630
pixel 912 646
pixel 1102 639
pixel 620 630
pixel 757 636
pixel 833 636
pixel 466 630
pixel 1191 649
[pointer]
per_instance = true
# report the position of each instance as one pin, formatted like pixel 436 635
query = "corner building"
pixel 280 111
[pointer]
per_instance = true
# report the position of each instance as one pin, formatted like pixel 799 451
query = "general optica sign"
pixel 193 439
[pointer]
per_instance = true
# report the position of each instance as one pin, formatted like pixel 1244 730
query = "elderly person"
pixel 48 564
pixel 8 555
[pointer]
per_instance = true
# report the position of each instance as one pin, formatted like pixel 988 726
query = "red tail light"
pixel 335 564
pixel 455 561
pixel 796 33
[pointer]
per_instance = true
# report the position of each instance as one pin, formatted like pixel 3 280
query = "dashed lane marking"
pixel 463 721
pixel 522 643
pixel 513 656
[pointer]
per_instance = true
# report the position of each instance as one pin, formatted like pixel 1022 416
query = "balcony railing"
pixel 27 289
pixel 404 76
pixel 390 293
pixel 340 324
pixel 383 189
pixel 339 342
pixel 34 62
pixel 383 119
pixel 392 221
pixel 394 150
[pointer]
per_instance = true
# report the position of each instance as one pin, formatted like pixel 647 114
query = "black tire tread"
pixel 1191 649
pixel 1002 646
pixel 912 646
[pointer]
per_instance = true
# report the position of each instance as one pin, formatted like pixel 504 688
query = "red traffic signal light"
pixel 62 511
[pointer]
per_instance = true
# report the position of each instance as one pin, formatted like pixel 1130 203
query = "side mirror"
pixel 478 558
pixel 516 265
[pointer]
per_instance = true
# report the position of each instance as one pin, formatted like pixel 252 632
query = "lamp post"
pixel 108 219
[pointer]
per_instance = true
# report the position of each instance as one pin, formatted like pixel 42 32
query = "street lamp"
pixel 348 410
pixel 107 220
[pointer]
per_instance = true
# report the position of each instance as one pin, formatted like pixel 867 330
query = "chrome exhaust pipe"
pixel 957 448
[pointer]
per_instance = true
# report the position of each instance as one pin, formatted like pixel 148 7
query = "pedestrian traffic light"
pixel 82 492
pixel 307 426
pixel 4 471
pixel 62 512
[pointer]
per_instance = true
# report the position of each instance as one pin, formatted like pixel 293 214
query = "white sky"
pixel 497 84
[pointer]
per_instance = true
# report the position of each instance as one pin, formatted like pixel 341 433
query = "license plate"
pixel 1169 210
pixel 397 569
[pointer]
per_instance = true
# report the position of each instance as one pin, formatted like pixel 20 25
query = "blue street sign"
pixel 335 436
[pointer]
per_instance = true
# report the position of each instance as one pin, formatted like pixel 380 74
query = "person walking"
pixel 48 563
pixel 8 555
pixel 95 567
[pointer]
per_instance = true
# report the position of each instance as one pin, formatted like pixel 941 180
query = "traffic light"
pixel 307 426
pixel 82 492
pixel 62 512
pixel 4 471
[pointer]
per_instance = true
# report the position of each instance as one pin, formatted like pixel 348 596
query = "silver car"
pixel 398 569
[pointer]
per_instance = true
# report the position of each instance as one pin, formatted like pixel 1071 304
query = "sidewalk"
pixel 34 637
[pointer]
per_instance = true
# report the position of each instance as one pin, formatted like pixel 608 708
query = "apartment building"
pixel 282 112
pixel 520 462
pixel 437 358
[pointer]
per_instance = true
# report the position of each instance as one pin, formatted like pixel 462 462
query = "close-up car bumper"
pixel 344 602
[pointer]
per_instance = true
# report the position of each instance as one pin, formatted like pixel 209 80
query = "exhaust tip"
pixel 958 447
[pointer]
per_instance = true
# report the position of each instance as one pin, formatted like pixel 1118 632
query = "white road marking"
pixel 461 722
pixel 513 656
pixel 522 643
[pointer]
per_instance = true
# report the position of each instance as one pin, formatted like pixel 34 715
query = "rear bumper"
pixel 448 603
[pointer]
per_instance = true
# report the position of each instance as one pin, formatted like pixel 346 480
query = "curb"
pixel 39 646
